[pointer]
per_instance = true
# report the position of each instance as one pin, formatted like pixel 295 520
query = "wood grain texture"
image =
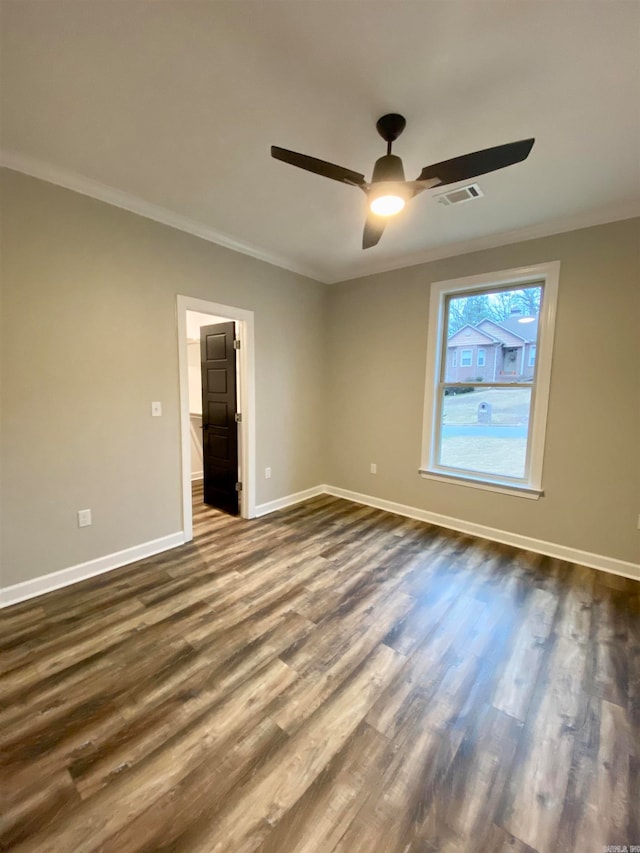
pixel 328 679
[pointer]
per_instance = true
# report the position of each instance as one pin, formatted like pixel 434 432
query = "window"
pixel 489 432
pixel 454 358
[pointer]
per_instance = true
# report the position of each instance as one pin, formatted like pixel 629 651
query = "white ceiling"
pixel 170 108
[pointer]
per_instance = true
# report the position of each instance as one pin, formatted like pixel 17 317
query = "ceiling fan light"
pixel 387 205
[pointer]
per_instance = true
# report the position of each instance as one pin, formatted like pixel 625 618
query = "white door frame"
pixel 246 398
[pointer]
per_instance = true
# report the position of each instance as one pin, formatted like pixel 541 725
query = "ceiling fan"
pixel 388 190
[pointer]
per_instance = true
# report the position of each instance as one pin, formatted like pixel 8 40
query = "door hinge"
pixel 238 417
pixel 238 487
pixel 236 344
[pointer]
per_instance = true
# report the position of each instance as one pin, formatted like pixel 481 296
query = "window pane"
pixel 485 430
pixel 491 336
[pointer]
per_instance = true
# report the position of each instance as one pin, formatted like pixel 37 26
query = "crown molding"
pixel 589 219
pixel 94 189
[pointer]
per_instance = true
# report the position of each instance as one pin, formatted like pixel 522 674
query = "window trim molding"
pixel 482 350
pixel 475 481
pixel 549 274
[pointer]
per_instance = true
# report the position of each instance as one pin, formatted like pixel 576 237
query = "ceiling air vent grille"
pixel 467 193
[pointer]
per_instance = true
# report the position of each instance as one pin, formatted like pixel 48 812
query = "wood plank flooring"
pixel 329 679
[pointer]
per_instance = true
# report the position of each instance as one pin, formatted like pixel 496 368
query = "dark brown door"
pixel 219 428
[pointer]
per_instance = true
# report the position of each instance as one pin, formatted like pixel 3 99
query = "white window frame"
pixel 548 274
pixel 532 356
pixel 481 350
pixel 462 352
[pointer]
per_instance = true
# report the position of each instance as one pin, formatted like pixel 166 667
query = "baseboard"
pixel 539 546
pixel 289 500
pixel 65 577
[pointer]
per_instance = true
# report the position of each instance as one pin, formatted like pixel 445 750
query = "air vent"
pixel 467 193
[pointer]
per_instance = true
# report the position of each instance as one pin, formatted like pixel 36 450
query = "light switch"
pixel 156 409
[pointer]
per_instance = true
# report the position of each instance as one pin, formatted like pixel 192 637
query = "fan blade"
pixel 478 163
pixel 320 167
pixel 373 228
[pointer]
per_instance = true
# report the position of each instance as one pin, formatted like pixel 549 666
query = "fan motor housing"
pixel 388 168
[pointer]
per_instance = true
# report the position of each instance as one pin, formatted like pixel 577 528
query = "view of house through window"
pixel 486 382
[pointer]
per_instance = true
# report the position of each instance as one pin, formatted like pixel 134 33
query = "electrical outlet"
pixel 373 468
pixel 267 473
pixel 84 518
pixel 156 410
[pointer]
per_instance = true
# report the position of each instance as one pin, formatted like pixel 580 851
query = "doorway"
pixel 200 312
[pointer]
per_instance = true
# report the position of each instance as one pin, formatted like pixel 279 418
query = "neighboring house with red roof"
pixel 492 351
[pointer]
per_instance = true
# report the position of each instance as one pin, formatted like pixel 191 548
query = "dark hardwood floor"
pixel 327 678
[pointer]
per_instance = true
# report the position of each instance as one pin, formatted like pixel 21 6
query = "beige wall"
pixel 376 375
pixel 89 294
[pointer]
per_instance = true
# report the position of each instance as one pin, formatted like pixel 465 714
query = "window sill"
pixel 488 486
